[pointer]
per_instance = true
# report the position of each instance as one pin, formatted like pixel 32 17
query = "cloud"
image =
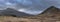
pixel 8 3
pixel 34 12
pixel 22 10
pixel 26 3
pixel 30 12
pixel 30 6
pixel 20 1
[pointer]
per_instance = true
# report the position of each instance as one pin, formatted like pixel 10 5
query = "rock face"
pixel 13 12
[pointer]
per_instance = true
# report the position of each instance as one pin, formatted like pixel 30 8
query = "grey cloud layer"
pixel 30 6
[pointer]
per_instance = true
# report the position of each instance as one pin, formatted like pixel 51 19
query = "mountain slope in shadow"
pixel 12 12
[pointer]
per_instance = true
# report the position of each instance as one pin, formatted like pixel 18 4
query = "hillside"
pixel 10 12
pixel 51 11
pixel 52 14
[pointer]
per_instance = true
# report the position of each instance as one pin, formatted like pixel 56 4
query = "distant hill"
pixel 10 11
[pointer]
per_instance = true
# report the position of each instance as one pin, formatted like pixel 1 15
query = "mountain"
pixel 51 12
pixel 12 12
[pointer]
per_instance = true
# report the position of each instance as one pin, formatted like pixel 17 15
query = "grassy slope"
pixel 15 19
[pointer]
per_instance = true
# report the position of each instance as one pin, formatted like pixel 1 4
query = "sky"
pixel 29 6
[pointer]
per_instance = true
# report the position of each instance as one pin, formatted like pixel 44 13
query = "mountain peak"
pixel 51 10
pixel 52 7
pixel 10 11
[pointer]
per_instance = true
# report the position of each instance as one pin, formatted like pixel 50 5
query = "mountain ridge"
pixel 50 12
pixel 10 11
